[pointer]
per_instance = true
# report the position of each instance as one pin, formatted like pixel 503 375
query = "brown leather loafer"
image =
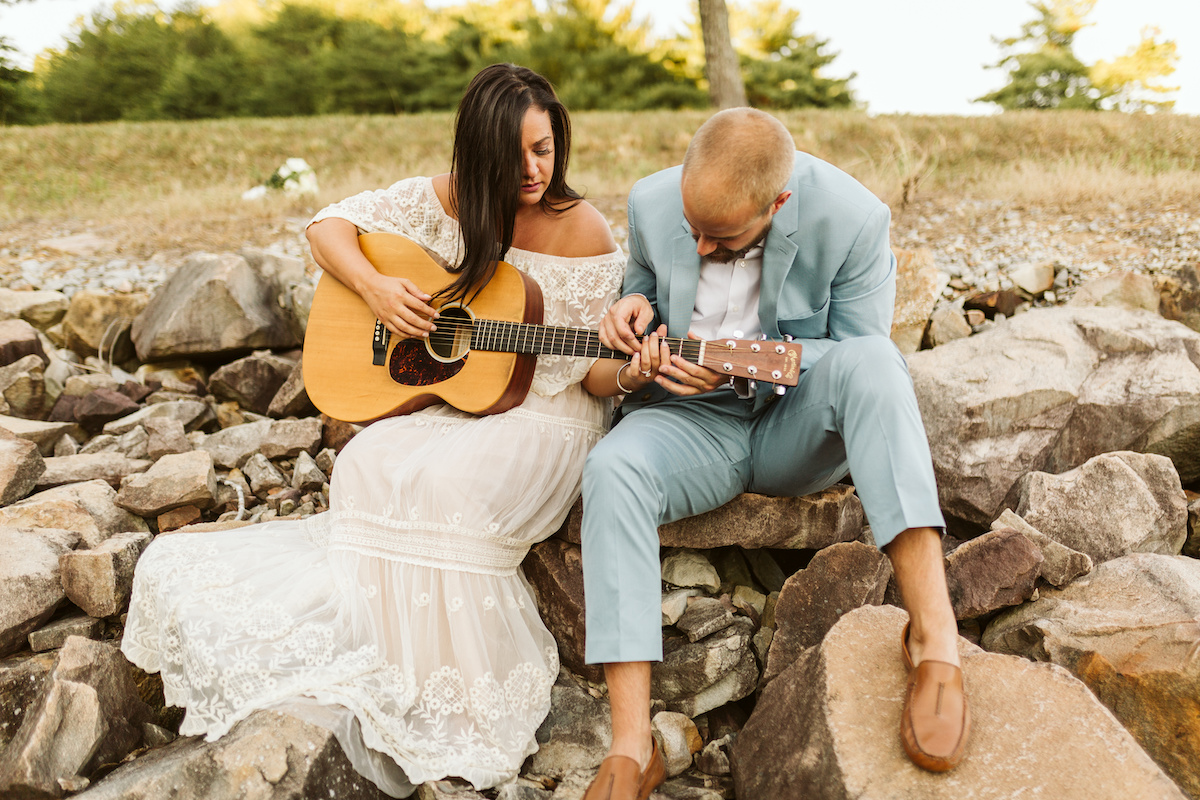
pixel 935 721
pixel 620 779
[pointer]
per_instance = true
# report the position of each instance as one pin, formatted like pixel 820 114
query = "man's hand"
pixel 621 326
pixel 682 377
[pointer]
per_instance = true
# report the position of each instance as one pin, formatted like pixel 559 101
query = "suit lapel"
pixel 779 254
pixel 685 278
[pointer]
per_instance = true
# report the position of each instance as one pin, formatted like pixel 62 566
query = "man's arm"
pixel 863 295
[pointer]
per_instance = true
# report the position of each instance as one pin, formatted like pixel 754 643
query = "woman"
pixel 400 619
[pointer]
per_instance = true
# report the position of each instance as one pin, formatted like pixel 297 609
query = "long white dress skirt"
pixel 403 605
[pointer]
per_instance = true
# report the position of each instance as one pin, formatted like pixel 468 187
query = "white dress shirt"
pixel 727 298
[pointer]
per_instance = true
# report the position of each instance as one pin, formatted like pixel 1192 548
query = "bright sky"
pixel 919 58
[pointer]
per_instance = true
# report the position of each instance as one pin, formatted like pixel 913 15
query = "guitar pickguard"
pixel 412 365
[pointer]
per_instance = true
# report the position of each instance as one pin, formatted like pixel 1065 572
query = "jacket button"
pixel 646 396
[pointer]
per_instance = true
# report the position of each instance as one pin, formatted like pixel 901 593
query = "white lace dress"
pixel 400 618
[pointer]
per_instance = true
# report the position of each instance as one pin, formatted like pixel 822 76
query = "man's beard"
pixel 723 255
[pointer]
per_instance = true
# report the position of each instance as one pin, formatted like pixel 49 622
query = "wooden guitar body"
pixel 342 379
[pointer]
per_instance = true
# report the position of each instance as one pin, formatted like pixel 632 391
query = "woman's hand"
pixel 400 305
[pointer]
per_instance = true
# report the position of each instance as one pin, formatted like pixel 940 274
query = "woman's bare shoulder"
pixel 589 232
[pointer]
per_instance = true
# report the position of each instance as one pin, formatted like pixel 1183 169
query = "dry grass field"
pixel 169 187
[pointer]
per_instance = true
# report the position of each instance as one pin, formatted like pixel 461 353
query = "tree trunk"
pixel 725 87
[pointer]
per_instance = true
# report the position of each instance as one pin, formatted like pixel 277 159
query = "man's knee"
pixel 867 362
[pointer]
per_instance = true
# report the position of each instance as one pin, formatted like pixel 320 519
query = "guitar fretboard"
pixel 521 337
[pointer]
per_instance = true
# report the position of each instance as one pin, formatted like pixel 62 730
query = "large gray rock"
pixel 40 309
pixel 695 677
pixel 292 398
pixel 917 290
pixel 88 508
pixel 43 434
pixel 288 438
pixel 755 520
pixel 1130 630
pixel 828 727
pixel 212 305
pixel 100 580
pixel 232 447
pixel 1050 389
pixel 577 732
pixel 23 388
pixel 30 587
pixel 1113 504
pixel 20 467
pixel 993 571
pixel 838 580
pixel 268 756
pixel 110 467
pixel 190 413
pixel 185 479
pixel 251 381
pixel 96 320
pixel 88 714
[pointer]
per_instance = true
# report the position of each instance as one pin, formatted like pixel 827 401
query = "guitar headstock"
pixel 754 359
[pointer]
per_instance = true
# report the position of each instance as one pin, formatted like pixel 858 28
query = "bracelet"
pixel 620 385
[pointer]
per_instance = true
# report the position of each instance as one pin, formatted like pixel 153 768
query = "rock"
pixel 40 309
pixel 21 465
pixel 554 569
pixel 100 580
pixel 838 580
pixel 65 446
pixel 268 756
pixel 30 587
pixel 96 320
pixel 732 566
pixel 263 475
pixel 946 324
pixel 23 386
pixel 917 289
pixel 994 571
pixel 19 339
pixel 1118 289
pixel 519 790
pixel 102 406
pixel 110 467
pixel 575 735
pixel 337 434
pixel 765 568
pixel 288 438
pixel 674 603
pixel 21 678
pixel 828 726
pixel 747 600
pixel 450 789
pixel 1192 546
pixel 1049 390
pixel 704 616
pixel 306 475
pixel 1113 504
pixel 1129 630
pixel 251 381
pixel 80 244
pixel 186 479
pixel 83 385
pixel 689 568
pixel 232 447
pixel 178 517
pixel 1060 564
pixel 89 508
pixel 190 413
pixel 212 305
pixel 54 634
pixel 87 714
pixel 714 758
pixel 755 520
pixel 1033 279
pixel 292 400
pixel 1179 296
pixel 697 677
pixel 678 740
pixel 44 434
pixel 166 436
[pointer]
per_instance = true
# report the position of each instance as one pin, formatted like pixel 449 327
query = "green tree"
pixel 1044 72
pixel 19 101
pixel 783 67
pixel 286 69
pixel 206 77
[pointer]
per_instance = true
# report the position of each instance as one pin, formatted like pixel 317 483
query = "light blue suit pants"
pixel 854 410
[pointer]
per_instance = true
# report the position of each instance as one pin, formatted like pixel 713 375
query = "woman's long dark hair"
pixel 486 183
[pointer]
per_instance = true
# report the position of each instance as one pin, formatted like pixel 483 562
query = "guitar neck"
pixel 522 337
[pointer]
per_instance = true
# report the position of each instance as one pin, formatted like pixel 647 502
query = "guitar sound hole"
pixel 452 340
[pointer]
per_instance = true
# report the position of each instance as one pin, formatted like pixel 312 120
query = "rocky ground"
pixel 1057 363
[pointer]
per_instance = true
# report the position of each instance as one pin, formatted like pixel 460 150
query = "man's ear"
pixel 780 200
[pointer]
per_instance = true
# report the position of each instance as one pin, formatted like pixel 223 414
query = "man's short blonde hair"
pixel 740 156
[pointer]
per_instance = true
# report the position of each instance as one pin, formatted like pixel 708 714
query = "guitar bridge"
pixel 379 344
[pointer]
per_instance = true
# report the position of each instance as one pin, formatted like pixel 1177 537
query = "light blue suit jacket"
pixel 828 270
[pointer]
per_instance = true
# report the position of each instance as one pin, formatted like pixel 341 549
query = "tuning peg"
pixel 753 385
pixel 787 337
pixel 780 389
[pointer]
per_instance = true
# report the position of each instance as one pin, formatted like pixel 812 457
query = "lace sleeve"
pixel 409 207
pixel 576 292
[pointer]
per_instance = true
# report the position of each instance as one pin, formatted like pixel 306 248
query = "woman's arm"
pixel 397 302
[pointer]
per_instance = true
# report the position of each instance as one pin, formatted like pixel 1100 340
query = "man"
pixel 748 238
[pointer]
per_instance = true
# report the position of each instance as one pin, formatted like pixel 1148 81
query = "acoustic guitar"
pixel 481 357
